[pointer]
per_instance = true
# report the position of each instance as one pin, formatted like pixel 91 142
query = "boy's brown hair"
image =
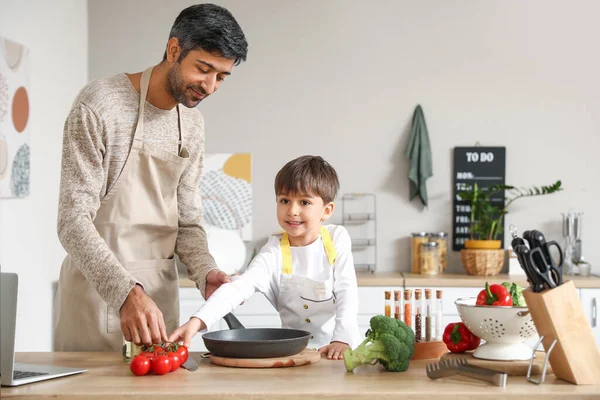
pixel 308 175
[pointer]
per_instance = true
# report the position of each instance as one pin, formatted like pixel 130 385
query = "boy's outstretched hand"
pixel 334 350
pixel 187 331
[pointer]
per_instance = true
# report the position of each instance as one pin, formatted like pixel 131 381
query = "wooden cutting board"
pixel 512 368
pixel 305 357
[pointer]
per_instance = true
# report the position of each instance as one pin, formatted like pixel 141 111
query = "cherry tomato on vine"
pixel 175 361
pixel 140 365
pixel 183 353
pixel 160 364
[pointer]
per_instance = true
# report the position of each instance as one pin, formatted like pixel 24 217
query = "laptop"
pixel 11 373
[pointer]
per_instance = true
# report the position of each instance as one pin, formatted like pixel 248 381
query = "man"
pixel 129 195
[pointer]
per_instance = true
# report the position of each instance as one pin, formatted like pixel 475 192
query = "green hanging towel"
pixel 418 152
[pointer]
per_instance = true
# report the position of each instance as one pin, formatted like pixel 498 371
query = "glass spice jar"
pixel 388 303
pixel 418 238
pixel 408 307
pixel 441 238
pixel 430 259
pixel 418 316
pixel 397 300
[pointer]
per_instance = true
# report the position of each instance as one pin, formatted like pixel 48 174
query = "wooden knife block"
pixel 558 314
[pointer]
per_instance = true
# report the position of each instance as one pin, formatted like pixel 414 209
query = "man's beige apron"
pixel 138 219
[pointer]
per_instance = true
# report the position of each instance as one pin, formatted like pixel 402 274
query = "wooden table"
pixel 109 378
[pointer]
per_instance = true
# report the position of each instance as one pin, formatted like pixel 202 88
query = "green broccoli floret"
pixel 389 342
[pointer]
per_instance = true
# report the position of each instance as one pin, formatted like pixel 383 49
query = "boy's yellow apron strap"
pixel 328 244
pixel 286 252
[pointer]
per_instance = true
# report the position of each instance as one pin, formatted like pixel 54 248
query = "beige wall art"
pixel 226 190
pixel 14 118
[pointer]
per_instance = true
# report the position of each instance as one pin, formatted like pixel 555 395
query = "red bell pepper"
pixel 494 295
pixel 459 338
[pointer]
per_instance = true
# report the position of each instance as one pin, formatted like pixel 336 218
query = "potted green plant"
pixel 482 254
pixel 486 218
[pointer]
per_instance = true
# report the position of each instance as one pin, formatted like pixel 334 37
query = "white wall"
pixel 56 33
pixel 341 79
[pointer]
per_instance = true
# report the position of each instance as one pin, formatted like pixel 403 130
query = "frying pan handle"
pixel 233 322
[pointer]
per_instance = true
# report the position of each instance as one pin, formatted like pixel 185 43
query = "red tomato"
pixel 183 353
pixel 148 354
pixel 140 365
pixel 161 364
pixel 175 361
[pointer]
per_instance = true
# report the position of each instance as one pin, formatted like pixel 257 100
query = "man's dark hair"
pixel 211 28
pixel 308 175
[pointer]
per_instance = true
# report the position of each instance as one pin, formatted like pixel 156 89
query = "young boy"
pixel 307 272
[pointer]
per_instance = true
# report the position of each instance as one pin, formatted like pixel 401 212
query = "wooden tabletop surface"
pixel 109 378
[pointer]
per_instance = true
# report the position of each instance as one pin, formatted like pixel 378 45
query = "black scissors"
pixel 535 279
pixel 524 255
pixel 542 261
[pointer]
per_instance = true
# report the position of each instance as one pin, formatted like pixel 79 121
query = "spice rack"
pixel 418 314
pixel 359 218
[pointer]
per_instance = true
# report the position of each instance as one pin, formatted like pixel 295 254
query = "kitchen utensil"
pixel 461 367
pixel 305 357
pixel 536 259
pixel 504 329
pixel 190 364
pixel 241 342
pixel 542 260
pixel 572 230
pixel 521 249
pixel 511 368
pixel 551 274
pixel 536 282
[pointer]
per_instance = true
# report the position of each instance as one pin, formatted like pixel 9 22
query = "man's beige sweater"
pixel 97 137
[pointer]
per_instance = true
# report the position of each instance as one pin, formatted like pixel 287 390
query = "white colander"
pixel 503 328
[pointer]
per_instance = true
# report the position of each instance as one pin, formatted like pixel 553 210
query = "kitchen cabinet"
pixel 590 299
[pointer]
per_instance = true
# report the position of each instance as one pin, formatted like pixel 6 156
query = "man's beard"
pixel 178 88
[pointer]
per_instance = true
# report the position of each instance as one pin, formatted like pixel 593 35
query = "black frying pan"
pixel 239 342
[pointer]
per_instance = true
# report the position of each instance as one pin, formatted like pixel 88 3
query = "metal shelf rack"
pixel 359 218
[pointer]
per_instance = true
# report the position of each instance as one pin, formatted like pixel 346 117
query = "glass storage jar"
pixel 441 238
pixel 430 259
pixel 418 239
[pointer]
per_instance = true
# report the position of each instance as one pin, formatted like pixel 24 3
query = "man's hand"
pixel 214 279
pixel 141 320
pixel 334 350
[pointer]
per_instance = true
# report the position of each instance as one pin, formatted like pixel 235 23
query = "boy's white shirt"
pixel 264 275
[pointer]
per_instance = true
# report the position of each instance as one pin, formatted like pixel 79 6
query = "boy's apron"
pixel 138 220
pixel 305 303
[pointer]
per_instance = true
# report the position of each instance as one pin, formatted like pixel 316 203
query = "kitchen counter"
pixel 443 280
pixel 109 378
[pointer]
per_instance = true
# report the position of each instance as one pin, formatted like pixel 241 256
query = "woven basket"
pixel 482 262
